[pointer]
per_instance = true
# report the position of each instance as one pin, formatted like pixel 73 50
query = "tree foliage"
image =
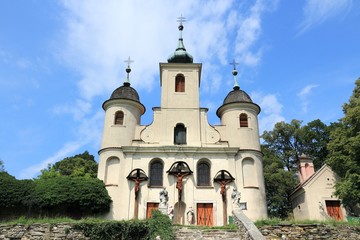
pixel 80 165
pixel 2 168
pixel 68 188
pixel 67 194
pixel 279 183
pixel 344 150
pixel 14 195
pixel 290 140
pixel 282 149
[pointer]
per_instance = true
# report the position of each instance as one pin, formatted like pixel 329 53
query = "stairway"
pixel 192 233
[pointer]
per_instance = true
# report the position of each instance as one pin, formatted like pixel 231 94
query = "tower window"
pixel 180 134
pixel 203 174
pixel 119 118
pixel 180 83
pixel 243 120
pixel 156 173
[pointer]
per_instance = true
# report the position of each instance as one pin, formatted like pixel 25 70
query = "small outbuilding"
pixel 314 197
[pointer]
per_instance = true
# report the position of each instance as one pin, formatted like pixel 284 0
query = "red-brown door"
pixel 150 206
pixel 205 214
pixel 333 208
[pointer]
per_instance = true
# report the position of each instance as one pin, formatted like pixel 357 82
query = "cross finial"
pixel 181 19
pixel 128 70
pixel 129 61
pixel 234 63
pixel 234 73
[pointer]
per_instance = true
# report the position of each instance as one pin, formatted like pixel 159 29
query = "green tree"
pixel 344 151
pixel 74 196
pixel 2 168
pixel 279 183
pixel 282 149
pixel 290 140
pixel 315 136
pixel 80 165
pixel 14 195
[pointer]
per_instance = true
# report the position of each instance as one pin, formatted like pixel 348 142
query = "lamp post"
pixel 137 176
pixel 223 178
pixel 179 169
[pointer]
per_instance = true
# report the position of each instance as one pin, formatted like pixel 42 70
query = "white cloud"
pixel 271 110
pixel 88 132
pixel 318 11
pixel 249 31
pixel 304 96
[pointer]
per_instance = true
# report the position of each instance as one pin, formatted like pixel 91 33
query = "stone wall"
pixel 40 232
pixel 288 232
pixel 310 231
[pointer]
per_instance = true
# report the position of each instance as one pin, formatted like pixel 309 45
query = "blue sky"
pixel 60 60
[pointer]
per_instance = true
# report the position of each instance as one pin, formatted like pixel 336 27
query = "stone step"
pixel 184 233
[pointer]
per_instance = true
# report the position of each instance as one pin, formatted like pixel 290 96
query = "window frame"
pixel 178 139
pixel 244 121
pixel 119 118
pixel 180 83
pixel 203 175
pixel 156 178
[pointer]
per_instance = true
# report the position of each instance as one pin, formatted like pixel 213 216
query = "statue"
pixel 163 198
pixel 190 216
pixel 236 196
pixel 171 212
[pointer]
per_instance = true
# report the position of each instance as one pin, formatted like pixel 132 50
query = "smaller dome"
pixel 180 56
pixel 237 95
pixel 125 92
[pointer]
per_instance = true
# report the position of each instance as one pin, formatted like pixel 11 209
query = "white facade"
pixel 127 145
pixel 314 198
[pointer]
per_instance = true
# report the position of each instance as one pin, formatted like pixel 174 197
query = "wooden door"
pixel 150 206
pixel 205 214
pixel 333 208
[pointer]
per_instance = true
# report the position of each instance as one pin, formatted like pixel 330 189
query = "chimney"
pixel 306 168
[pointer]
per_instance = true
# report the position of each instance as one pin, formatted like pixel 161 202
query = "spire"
pixel 234 73
pixel 128 70
pixel 180 55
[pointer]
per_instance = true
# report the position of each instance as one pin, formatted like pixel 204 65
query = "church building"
pixel 192 171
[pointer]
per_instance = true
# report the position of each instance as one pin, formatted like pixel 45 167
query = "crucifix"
pixel 179 169
pixel 223 178
pixel 137 176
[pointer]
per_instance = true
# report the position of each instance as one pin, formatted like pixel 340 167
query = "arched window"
pixel 203 174
pixel 180 134
pixel 119 118
pixel 243 120
pixel 112 171
pixel 180 83
pixel 249 173
pixel 156 173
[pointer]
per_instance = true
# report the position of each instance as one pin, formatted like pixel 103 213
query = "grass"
pixel 54 220
pixel 278 221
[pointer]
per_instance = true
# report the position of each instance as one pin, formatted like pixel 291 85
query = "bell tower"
pixel 180 78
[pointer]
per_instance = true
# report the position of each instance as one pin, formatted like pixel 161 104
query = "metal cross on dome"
pixel 129 61
pixel 234 63
pixel 181 19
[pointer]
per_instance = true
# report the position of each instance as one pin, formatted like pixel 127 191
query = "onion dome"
pixel 180 55
pixel 236 95
pixel 126 91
